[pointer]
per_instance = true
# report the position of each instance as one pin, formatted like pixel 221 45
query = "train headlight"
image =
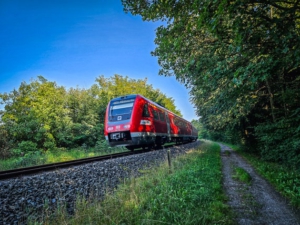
pixel 126 126
pixel 145 122
pixel 110 128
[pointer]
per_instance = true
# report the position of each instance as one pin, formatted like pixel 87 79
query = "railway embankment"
pixel 24 197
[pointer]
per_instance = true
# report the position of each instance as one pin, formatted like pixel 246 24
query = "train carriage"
pixel 135 121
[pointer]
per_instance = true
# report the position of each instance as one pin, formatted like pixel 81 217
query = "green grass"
pixel 242 175
pixel 58 155
pixel 191 194
pixel 285 180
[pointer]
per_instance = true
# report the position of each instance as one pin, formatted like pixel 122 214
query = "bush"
pixel 49 145
pixel 26 147
pixel 279 142
pixel 5 144
pixel 30 159
pixel 102 146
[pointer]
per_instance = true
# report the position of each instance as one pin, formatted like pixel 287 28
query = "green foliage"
pixel 35 112
pixel 102 146
pixel 55 155
pixel 5 143
pixel 49 145
pixel 30 159
pixel 241 61
pixel 242 175
pixel 202 132
pixel 283 138
pixel 192 194
pixel 27 146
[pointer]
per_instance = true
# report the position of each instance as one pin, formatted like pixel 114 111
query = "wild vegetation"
pixel 191 194
pixel 242 175
pixel 34 158
pixel 241 60
pixel 42 116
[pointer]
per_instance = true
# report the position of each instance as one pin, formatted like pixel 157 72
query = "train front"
pixel 118 120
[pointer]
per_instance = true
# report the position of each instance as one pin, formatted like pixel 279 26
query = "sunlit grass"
pixel 53 157
pixel 191 194
pixel 58 155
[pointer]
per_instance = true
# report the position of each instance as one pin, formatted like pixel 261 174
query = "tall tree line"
pixel 241 60
pixel 42 115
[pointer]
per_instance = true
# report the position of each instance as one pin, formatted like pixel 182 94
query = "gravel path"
pixel 257 203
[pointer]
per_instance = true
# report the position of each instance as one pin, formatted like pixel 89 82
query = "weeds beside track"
pixel 191 194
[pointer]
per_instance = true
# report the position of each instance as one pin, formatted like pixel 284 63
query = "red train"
pixel 135 121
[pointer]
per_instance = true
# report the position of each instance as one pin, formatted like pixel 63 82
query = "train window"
pixel 155 114
pixel 181 124
pixel 161 116
pixel 176 121
pixel 146 111
pixel 120 110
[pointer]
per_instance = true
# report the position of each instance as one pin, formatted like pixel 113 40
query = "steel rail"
pixel 7 174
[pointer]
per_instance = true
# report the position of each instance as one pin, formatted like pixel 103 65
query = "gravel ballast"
pixel 23 197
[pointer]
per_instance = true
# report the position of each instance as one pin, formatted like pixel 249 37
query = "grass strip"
pixel 242 175
pixel 54 156
pixel 191 194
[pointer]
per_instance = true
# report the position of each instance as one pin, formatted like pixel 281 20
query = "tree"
pixel 85 127
pixel 35 112
pixel 241 60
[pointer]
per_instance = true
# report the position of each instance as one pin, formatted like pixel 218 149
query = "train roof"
pixel 124 97
pixel 152 102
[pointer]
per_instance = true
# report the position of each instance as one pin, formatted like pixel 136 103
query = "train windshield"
pixel 120 109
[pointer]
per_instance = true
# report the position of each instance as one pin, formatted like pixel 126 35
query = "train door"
pixel 168 125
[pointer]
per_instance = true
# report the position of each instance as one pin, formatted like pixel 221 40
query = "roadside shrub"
pixel 30 159
pixel 49 145
pixel 26 147
pixel 102 146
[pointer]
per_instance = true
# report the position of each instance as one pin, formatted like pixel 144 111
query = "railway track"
pixel 28 196
pixel 7 174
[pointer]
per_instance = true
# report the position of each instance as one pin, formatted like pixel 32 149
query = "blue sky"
pixel 72 42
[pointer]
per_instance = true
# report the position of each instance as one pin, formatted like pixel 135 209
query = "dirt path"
pixel 257 203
